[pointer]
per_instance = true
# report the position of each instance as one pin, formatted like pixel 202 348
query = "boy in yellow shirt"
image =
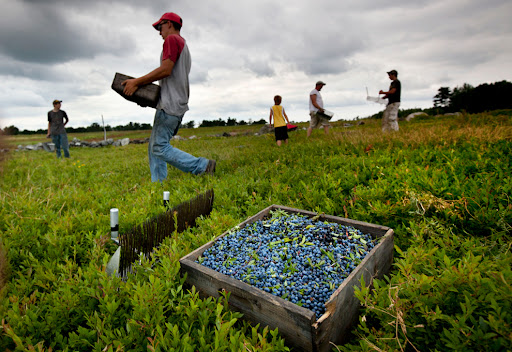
pixel 280 128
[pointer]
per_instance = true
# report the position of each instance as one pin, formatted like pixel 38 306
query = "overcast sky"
pixel 244 53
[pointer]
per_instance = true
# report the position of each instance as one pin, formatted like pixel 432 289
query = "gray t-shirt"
pixel 56 120
pixel 175 89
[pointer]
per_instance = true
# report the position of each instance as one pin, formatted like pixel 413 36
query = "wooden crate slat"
pixel 269 310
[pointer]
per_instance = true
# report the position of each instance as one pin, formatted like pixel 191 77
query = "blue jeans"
pixel 61 140
pixel 162 153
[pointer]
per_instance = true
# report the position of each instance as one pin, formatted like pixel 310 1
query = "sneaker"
pixel 210 168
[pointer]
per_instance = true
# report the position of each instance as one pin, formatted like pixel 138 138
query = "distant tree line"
pixel 94 127
pixel 485 97
pixel 229 122
pixel 403 113
pixel 132 126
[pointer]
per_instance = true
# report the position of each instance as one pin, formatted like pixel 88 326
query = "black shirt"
pixel 56 120
pixel 395 97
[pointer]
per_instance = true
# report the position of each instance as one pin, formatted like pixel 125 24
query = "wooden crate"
pixel 147 95
pixel 296 324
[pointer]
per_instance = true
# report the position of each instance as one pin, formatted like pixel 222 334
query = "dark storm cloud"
pixel 262 66
pixel 263 34
pixel 244 51
pixel 45 33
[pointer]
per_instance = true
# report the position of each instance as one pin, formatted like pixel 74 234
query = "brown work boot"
pixel 210 168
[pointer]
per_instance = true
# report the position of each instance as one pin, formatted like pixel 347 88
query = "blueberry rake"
pixel 144 238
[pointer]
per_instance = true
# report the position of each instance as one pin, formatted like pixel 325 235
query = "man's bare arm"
pixel 315 104
pixel 391 91
pixel 165 70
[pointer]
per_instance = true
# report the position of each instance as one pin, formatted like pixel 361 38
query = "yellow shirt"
pixel 278 116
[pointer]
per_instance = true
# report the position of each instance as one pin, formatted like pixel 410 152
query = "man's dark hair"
pixel 176 25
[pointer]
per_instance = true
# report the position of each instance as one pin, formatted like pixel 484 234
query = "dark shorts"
pixel 281 133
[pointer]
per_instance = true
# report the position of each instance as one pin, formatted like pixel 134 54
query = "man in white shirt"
pixel 316 106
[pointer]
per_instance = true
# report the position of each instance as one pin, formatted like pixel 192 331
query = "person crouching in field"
pixel 280 128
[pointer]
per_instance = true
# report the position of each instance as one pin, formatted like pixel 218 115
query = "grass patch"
pixel 443 184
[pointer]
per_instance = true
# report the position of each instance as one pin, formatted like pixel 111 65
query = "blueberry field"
pixel 443 184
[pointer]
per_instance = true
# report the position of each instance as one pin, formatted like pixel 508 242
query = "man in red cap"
pixel 172 75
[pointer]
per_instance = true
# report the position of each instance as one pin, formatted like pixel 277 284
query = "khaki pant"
pixel 317 121
pixel 390 118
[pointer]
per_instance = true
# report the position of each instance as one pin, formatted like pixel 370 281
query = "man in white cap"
pixel 390 116
pixel 316 107
pixel 172 75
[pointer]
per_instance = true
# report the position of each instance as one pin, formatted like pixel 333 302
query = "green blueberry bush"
pixel 442 183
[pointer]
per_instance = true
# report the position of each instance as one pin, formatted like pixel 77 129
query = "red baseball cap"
pixel 169 16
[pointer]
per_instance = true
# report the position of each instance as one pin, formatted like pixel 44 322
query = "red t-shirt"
pixel 173 45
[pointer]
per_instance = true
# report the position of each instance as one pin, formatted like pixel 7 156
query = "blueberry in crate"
pixel 294 270
pixel 292 256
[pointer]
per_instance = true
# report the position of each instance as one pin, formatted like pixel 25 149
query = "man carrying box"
pixel 316 108
pixel 172 75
